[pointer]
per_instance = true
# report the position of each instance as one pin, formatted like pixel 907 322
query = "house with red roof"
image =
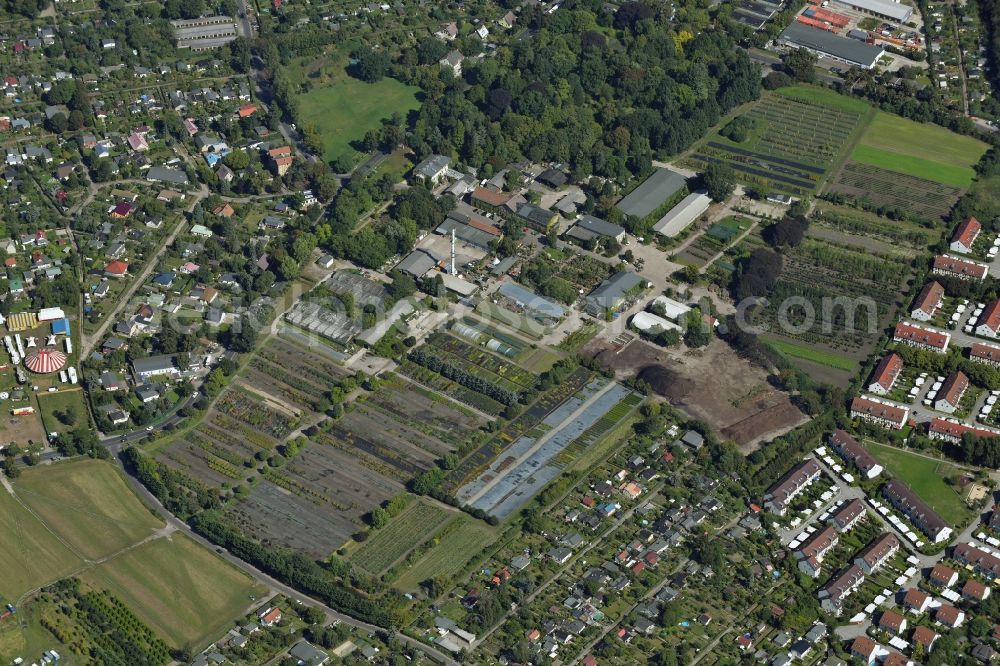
pixel 988 324
pixel 247 110
pixel 963 269
pixel 942 576
pixel 949 616
pixel 925 636
pixel 116 268
pixel 952 431
pixel 916 600
pixel 931 298
pixel 881 413
pixel 951 393
pixel 121 210
pixel 270 617
pixel 885 374
pixel 921 337
pixel 892 622
pixel 984 352
pixel 865 649
pixel 973 590
pixel 965 235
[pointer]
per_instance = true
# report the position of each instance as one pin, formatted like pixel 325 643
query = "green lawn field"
pixel 824 97
pixel 823 357
pixel 88 504
pixel 50 403
pixel 185 593
pixel 926 478
pixel 920 167
pixel 30 555
pixel 449 554
pixel 931 151
pixel 347 108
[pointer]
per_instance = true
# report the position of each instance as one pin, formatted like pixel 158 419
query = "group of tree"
pixel 435 363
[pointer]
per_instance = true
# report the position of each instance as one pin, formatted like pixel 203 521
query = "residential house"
pixel 921 337
pixel 953 431
pixel 988 324
pixel 949 616
pixel 952 390
pixel 920 514
pixel 800 477
pixel 452 62
pixel 984 352
pixel 964 269
pixel 864 649
pixel 885 374
pixel 982 562
pixel 848 515
pixel 841 586
pixel 877 553
pixel 965 235
pixel 942 576
pixel 892 622
pixel 851 451
pixel 916 600
pixel 881 413
pixel 928 302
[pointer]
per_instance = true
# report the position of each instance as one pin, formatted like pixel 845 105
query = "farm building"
pixel 589 227
pixel 683 214
pixel 533 304
pixel 651 194
pixel 672 309
pixel 472 229
pixel 155 366
pixel 609 294
pixel 647 321
pixel 821 42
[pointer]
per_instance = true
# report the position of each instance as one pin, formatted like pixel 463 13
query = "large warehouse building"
pixel 824 43
pixel 899 12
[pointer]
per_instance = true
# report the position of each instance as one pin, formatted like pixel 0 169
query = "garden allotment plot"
pixel 798 137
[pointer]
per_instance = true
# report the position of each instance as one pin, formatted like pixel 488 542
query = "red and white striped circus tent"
pixel 45 361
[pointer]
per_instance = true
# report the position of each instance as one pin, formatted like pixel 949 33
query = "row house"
pixel 851 451
pixel 963 269
pixel 778 496
pixel 881 413
pixel 921 337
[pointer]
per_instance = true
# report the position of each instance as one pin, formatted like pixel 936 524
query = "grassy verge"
pixel 919 167
pixel 820 356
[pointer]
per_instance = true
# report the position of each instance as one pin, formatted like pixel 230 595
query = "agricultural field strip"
pixel 416 524
pixel 918 196
pixel 483 363
pixel 441 384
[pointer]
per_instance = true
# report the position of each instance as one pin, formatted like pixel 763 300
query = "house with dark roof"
pixel 982 562
pixel 848 515
pixel 877 553
pixel 920 514
pixel 589 227
pixel 788 487
pixel 964 269
pixel 851 451
pixel 841 586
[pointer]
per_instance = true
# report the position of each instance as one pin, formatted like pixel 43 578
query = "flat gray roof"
pixel 529 300
pixel 417 263
pixel 849 50
pixel 612 290
pixel 652 193
pixel 600 227
pixel 898 11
